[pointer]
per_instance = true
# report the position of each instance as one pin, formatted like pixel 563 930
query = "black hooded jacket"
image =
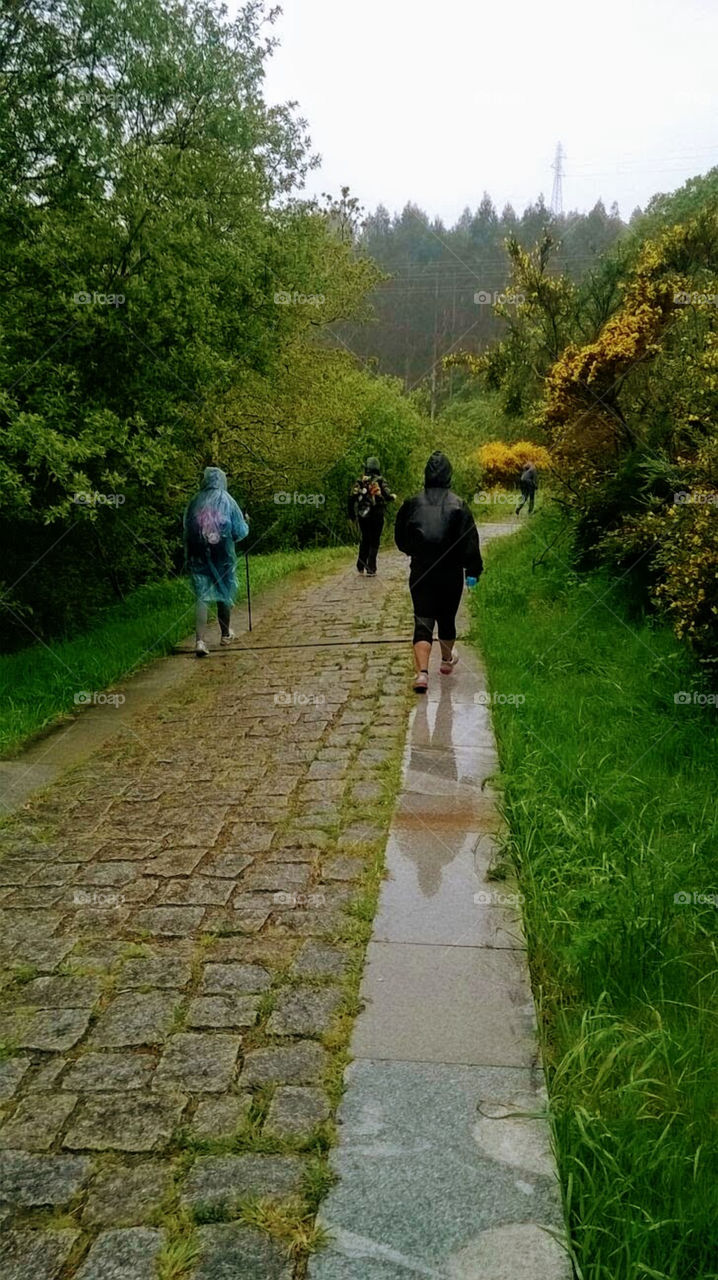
pixel 436 527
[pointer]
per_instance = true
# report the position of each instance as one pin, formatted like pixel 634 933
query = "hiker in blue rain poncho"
pixel 212 524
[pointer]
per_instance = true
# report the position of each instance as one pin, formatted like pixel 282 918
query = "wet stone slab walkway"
pixel 444 1163
pixel 182 920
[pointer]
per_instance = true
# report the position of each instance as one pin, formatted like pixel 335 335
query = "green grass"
pixel 291 1222
pixel 610 800
pixel 39 684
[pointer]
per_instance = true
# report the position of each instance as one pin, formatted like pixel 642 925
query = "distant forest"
pixel 441 280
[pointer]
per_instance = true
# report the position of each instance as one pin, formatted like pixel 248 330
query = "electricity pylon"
pixel 557 192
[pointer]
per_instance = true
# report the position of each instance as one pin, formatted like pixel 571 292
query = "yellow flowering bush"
pixel 631 420
pixel 687 558
pixel 502 464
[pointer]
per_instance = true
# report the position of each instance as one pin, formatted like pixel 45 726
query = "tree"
pixel 154 259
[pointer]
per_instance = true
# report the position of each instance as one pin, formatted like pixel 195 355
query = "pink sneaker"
pixel 421 682
pixel 446 668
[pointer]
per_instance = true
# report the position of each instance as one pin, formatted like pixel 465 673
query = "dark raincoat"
pixel 436 528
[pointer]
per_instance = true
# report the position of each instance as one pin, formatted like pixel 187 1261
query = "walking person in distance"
pixel 368 499
pixel 528 484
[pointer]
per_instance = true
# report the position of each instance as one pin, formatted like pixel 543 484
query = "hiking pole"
pixel 249 592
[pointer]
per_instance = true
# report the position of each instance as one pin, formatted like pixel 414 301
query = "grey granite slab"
pixel 444 1166
pixel 434 1163
pixel 446 1004
pixel 437 891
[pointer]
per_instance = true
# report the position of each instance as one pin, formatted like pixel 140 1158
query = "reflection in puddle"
pixel 429 854
pixel 432 752
pixel 434 738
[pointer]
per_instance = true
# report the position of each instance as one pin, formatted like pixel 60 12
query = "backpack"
pixel 369 496
pixel 431 530
pixel 210 525
pixel 432 527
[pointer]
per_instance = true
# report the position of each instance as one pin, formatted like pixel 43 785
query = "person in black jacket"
pixel 367 501
pixel 528 484
pixel 438 531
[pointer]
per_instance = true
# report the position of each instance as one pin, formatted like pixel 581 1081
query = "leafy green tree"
pixel 155 261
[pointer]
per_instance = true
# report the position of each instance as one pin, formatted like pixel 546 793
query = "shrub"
pixel 501 464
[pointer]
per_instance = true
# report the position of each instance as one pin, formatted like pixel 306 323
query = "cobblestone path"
pixel 182 924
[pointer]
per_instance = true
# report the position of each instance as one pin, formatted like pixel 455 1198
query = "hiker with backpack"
pixel 436 528
pixel 368 498
pixel 213 523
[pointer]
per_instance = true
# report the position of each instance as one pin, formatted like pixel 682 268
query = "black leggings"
pixel 370 529
pixel 436 596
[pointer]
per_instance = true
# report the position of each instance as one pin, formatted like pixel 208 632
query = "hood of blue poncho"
pixel 214 478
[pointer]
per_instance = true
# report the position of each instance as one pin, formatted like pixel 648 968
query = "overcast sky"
pixel 434 102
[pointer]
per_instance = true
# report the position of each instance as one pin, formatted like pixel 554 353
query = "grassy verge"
pixel 40 683
pixel 610 799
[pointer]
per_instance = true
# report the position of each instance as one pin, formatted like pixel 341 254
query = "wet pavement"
pixel 444 1164
pixel 183 917
pixel 178 943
